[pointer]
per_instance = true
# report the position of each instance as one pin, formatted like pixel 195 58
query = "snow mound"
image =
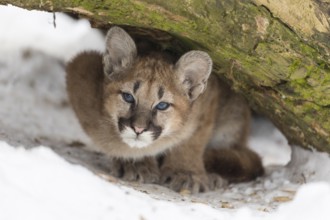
pixel 38 184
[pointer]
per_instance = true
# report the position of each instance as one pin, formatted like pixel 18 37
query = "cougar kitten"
pixel 136 108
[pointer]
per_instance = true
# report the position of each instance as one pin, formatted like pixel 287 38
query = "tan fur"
pixel 204 131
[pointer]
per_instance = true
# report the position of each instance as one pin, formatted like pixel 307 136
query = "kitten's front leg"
pixel 145 170
pixel 183 169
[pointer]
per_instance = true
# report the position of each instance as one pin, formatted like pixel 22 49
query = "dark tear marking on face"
pixel 156 131
pixel 136 86
pixel 160 92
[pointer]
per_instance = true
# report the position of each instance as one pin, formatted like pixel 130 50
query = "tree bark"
pixel 274 52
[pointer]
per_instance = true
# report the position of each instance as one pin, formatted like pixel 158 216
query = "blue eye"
pixel 162 106
pixel 128 97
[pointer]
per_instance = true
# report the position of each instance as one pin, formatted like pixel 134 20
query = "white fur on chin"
pixel 136 141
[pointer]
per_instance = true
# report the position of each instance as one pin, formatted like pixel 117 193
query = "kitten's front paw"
pixel 144 171
pixel 180 181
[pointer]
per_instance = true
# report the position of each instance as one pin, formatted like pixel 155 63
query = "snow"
pixel 38 184
pixel 28 29
pixel 48 172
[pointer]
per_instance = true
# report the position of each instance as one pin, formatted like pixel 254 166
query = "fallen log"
pixel 274 52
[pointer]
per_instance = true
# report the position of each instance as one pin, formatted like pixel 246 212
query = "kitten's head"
pixel 148 98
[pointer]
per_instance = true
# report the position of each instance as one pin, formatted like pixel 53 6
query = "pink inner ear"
pixel 194 69
pixel 120 51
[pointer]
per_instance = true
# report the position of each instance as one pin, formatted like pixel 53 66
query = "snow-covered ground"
pixel 39 134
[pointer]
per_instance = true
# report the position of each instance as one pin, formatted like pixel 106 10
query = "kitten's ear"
pixel 120 51
pixel 193 70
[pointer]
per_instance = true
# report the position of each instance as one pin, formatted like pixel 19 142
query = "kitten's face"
pixel 148 98
pixel 146 103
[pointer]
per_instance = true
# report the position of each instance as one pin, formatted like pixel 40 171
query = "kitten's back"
pixel 84 85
